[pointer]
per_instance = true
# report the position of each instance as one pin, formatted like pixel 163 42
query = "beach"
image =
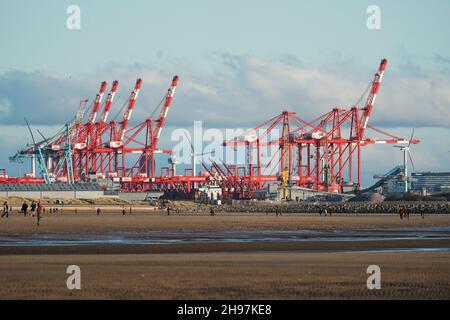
pixel 149 255
pixel 88 221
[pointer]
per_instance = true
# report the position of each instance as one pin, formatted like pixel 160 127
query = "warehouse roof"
pixel 51 187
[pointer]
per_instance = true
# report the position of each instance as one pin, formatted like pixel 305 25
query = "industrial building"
pixel 430 182
pixel 418 182
pixel 210 194
pixel 55 190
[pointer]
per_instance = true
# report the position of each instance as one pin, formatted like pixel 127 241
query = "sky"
pixel 240 63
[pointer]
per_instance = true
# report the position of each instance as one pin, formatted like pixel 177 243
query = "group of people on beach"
pixel 36 210
pixel 404 213
pixel 211 211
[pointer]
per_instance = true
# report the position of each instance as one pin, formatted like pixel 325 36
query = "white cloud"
pixel 252 87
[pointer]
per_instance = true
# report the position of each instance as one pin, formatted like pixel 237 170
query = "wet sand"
pixel 159 221
pixel 416 268
pixel 227 276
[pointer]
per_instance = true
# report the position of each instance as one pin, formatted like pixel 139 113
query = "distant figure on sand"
pixel 24 208
pixel 211 212
pixel 168 211
pixel 5 209
pixel 123 211
pixel 98 211
pixel 401 212
pixel 33 209
pixel 40 209
pixel 278 211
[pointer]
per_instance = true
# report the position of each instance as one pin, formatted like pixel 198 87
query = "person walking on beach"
pixel 211 212
pixel 123 211
pixel 40 209
pixel 98 211
pixel 401 212
pixel 33 208
pixel 278 211
pixel 168 211
pixel 24 208
pixel 5 209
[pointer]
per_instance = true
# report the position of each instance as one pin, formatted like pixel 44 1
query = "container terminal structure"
pixel 323 154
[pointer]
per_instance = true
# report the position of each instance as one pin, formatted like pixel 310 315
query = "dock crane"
pixel 100 126
pixel 154 139
pixel 117 143
pixel 118 138
pixel 89 125
pixel 286 157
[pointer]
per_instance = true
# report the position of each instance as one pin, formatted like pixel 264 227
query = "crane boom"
pixel 80 113
pixel 97 103
pixel 109 101
pixel 127 115
pixel 164 110
pixel 88 127
pixel 372 97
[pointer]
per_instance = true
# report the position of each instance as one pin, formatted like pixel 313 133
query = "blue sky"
pixel 125 32
pixel 246 57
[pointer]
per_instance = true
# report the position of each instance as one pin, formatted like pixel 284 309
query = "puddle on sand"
pixel 163 237
pixel 400 250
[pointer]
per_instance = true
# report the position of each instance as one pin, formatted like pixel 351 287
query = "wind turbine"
pixel 40 157
pixel 195 155
pixel 407 154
